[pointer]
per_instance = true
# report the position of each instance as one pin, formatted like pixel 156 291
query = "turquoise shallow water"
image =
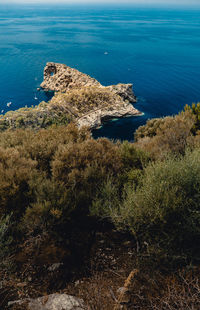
pixel 158 50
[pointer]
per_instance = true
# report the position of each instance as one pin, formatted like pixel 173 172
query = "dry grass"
pixel 81 101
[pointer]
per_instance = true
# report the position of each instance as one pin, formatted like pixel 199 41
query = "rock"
pixel 94 119
pixel 52 302
pixel 59 77
pixel 55 266
pixel 18 302
pixel 21 284
pixel 121 290
pixel 125 91
pixel 56 302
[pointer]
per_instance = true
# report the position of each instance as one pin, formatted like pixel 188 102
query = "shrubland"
pixel 59 188
pixel 82 100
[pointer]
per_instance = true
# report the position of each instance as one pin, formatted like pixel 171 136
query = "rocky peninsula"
pixel 77 98
pixel 97 103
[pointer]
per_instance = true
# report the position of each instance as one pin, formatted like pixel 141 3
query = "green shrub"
pixel 150 128
pixel 195 110
pixel 6 238
pixel 164 210
pixel 15 174
pixel 132 157
pixel 42 116
pixel 107 200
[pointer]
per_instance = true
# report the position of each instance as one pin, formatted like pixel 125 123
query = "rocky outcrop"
pixel 125 91
pixel 59 77
pixel 51 302
pixel 94 119
pixel 65 80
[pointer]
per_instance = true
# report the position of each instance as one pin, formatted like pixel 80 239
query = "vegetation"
pixel 60 110
pixel 82 100
pixel 41 116
pixel 170 135
pixel 60 189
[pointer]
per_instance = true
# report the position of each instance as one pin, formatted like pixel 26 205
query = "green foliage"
pixel 167 135
pixel 107 200
pixel 15 174
pixel 195 110
pixel 133 157
pixel 42 116
pixel 52 176
pixel 27 188
pixel 57 179
pixel 164 210
pixel 82 168
pixel 6 238
pixel 150 128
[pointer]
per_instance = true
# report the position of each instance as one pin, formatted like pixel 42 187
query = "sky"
pixel 143 2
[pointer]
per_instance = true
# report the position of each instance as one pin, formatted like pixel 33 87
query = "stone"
pixel 94 119
pixel 18 302
pixel 52 302
pixel 121 290
pixel 55 266
pixel 125 91
pixel 59 77
pixel 56 302
pixel 21 284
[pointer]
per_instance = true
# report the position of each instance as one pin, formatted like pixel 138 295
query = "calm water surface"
pixel 158 50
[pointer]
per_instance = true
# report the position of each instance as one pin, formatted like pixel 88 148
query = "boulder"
pixel 52 302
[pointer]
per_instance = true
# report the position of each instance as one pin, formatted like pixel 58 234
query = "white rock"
pixel 121 290
pixel 55 266
pixel 52 302
pixel 56 302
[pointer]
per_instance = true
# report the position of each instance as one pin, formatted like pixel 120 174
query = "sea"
pixel 157 49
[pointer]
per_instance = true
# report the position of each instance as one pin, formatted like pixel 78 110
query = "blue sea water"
pixel 156 49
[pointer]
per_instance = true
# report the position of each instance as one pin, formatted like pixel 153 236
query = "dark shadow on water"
pixel 120 129
pixel 48 95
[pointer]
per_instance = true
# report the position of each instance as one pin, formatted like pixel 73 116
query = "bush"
pixel 132 157
pixel 5 237
pixel 42 116
pixel 15 173
pixel 195 110
pixel 150 128
pixel 172 135
pixel 164 210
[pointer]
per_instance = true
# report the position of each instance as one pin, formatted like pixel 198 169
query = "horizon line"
pixel 104 2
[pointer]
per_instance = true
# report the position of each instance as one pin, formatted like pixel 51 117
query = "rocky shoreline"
pixel 77 98
pixel 63 79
